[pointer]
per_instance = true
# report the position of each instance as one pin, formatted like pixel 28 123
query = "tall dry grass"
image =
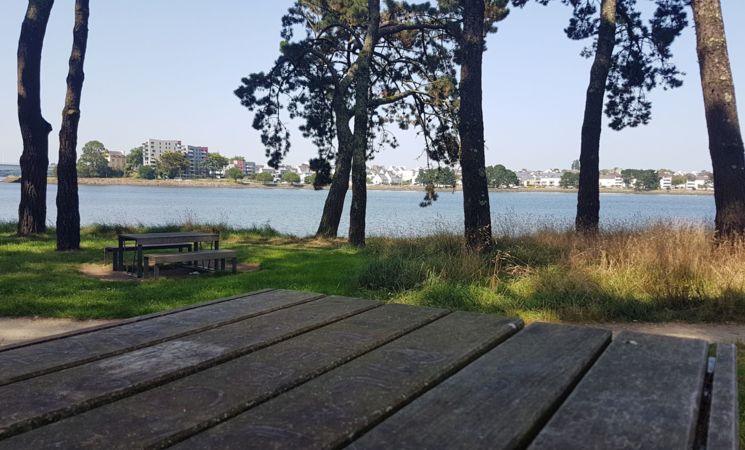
pixel 662 271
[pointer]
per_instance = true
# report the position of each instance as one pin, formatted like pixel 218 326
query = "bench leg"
pixel 144 268
pixel 156 271
pixel 235 264
pixel 222 264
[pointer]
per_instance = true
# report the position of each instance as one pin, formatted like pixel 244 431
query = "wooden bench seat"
pixel 131 248
pixel 219 256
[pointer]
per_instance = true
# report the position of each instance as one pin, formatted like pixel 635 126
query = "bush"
pixel 264 177
pixel 147 172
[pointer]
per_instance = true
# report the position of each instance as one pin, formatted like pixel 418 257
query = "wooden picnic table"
pixel 144 239
pixel 286 369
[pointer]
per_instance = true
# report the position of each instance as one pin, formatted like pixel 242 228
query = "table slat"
pixel 158 416
pixel 330 409
pixel 723 415
pixel 28 361
pixel 500 400
pixel 50 397
pixel 643 389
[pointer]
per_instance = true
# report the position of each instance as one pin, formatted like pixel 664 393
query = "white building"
pixel 699 184
pixel 611 181
pixel 549 179
pixel 666 183
pixel 153 148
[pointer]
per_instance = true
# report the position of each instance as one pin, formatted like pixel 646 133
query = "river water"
pixel 390 213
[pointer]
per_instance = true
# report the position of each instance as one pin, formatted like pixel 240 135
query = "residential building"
pixel 197 157
pixel 250 168
pixel 117 160
pixel 239 163
pixel 611 181
pixel 153 148
pixel 666 183
pixel 700 183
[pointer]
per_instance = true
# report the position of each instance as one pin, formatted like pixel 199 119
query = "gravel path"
pixel 13 330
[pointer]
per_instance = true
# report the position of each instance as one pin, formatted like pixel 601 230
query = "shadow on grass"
pixel 37 281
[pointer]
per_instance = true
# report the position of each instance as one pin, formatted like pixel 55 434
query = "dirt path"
pixel 13 330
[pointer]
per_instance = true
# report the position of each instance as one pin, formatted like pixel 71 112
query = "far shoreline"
pixel 223 183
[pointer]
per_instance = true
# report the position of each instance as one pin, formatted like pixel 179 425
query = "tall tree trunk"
pixel 588 197
pixel 725 139
pixel 32 210
pixel 334 206
pixel 68 211
pixel 358 211
pixel 478 232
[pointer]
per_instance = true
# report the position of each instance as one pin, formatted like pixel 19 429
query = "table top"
pixel 187 236
pixel 287 369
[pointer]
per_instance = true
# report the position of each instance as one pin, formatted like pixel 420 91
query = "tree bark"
pixel 68 211
pixel 358 211
pixel 478 232
pixel 725 138
pixel 334 206
pixel 588 196
pixel 32 210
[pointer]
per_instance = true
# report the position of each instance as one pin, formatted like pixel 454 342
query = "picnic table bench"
pixel 117 258
pixel 149 241
pixel 286 369
pixel 208 256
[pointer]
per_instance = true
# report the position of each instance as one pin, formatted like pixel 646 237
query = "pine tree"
pixel 32 210
pixel 68 210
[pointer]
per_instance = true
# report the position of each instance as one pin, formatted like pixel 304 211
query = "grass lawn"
pixel 655 274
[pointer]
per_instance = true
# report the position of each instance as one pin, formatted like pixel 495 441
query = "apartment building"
pixel 197 157
pixel 250 168
pixel 153 148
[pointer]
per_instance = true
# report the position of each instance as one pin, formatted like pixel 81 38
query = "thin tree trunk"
pixel 725 138
pixel 334 206
pixel 358 211
pixel 588 196
pixel 68 211
pixel 478 232
pixel 32 210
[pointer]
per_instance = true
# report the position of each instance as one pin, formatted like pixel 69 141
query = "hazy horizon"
pixel 155 70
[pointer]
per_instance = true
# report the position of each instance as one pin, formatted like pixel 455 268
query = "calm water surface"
pixel 389 213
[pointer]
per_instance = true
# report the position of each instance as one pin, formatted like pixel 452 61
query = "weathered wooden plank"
pixel 499 400
pixel 723 413
pixel 330 409
pixel 29 361
pixel 50 397
pixel 643 392
pixel 178 409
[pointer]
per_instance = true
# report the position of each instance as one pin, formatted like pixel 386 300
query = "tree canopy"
pixel 92 162
pixel 641 179
pixel 441 176
pixel 172 164
pixel 500 177
pixel 642 56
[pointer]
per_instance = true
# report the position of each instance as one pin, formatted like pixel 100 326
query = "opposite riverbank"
pixel 224 183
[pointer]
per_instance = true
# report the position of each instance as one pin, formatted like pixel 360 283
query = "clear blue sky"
pixel 166 69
